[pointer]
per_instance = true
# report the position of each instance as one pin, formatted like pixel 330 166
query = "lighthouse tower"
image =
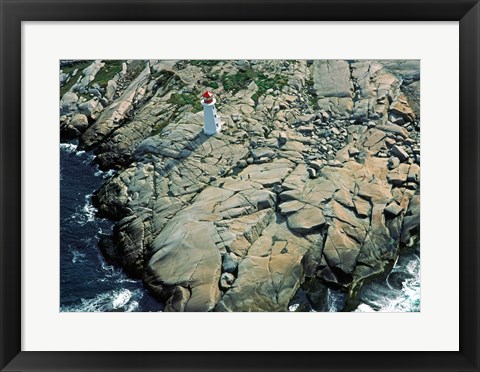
pixel 211 121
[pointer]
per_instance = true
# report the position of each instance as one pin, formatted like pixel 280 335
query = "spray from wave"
pixel 115 300
pixel 69 147
pixel 400 292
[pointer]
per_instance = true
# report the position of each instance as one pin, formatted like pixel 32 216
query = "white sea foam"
pixel 105 174
pixel 112 274
pixel 69 147
pixel 73 148
pixel 364 308
pixel 293 307
pixel 90 241
pixel 107 269
pixel 125 280
pixel 109 173
pixel 78 256
pixel 335 300
pixel 395 298
pixel 132 306
pixel 88 211
pixel 89 157
pixel 119 299
pixel 84 214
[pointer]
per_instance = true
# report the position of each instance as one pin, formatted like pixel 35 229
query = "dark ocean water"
pixel 87 282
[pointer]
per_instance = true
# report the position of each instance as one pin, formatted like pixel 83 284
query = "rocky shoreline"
pixel 313 183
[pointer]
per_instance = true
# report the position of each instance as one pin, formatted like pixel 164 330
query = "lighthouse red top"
pixel 207 97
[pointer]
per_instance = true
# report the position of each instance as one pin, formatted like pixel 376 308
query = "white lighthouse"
pixel 211 121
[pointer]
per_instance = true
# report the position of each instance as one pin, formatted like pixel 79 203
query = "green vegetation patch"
pixel 80 65
pixel 204 62
pixel 107 72
pixel 311 95
pixel 183 99
pixel 68 70
pixel 277 82
pixel 212 80
pixel 234 83
pixel 212 84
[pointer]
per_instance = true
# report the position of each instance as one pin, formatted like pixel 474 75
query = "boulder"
pixel 393 209
pixel 79 122
pixel 226 281
pixel 111 90
pixel 305 221
pixel 401 107
pixel 353 151
pixel 400 153
pixel 414 173
pixel 91 108
pixel 229 265
pixel 68 103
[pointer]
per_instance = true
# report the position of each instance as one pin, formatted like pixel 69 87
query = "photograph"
pixel 246 163
pixel 239 185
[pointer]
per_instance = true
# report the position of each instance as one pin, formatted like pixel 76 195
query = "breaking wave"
pixel 68 147
pixel 400 292
pixel 115 300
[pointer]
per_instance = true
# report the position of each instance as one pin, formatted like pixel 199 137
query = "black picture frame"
pixel 13 12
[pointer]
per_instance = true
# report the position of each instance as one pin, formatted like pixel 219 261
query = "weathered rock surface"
pixel 334 87
pixel 308 182
pixel 88 76
pixel 114 115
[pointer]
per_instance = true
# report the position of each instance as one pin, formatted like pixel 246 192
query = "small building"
pixel 211 120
